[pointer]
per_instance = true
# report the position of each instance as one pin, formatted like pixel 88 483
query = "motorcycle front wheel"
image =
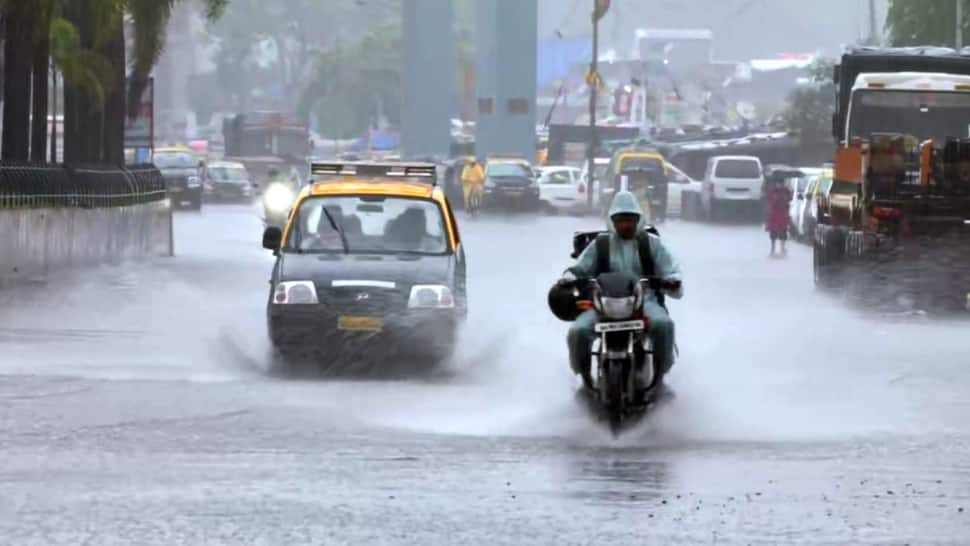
pixel 613 387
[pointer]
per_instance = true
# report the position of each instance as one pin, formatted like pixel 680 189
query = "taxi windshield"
pixel 368 224
pixel 640 163
pixel 174 160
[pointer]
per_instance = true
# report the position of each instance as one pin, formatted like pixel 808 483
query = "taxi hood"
pixel 402 269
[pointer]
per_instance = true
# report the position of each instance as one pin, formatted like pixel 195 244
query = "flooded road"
pixel 134 409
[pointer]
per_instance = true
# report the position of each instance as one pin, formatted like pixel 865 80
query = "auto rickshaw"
pixel 642 172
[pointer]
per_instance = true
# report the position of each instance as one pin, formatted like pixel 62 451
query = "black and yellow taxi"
pixel 510 182
pixel 370 270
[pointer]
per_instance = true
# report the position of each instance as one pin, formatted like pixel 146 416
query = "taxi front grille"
pixel 362 300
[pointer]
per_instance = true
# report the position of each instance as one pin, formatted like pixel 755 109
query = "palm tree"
pixel 41 67
pixel 86 40
pixel 95 98
pixel 17 17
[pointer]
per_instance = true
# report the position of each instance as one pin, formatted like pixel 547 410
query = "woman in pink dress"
pixel 777 200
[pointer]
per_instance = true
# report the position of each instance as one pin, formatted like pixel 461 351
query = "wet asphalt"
pixel 135 409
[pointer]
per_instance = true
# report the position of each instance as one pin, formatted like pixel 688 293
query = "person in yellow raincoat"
pixel 473 183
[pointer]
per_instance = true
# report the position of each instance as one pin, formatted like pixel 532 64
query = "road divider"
pixel 59 217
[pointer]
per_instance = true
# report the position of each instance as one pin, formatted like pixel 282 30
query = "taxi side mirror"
pixel 272 238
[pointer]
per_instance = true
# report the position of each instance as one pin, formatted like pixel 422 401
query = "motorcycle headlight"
pixel 431 296
pixel 194 182
pixel 278 198
pixel 617 308
pixel 295 293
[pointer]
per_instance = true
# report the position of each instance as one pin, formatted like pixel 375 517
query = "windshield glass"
pixel 371 224
pixel 640 163
pixel 228 174
pixel 824 184
pixel 923 114
pixel 509 169
pixel 178 160
pixel 737 168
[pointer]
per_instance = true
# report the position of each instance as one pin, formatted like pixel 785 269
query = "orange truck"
pixel 894 229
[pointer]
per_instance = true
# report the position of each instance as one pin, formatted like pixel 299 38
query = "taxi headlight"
pixel 278 198
pixel 295 293
pixel 431 296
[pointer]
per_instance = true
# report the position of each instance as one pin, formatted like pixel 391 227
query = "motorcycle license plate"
pixel 624 326
pixel 360 324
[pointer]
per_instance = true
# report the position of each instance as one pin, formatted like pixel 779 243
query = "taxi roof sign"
pixel 366 169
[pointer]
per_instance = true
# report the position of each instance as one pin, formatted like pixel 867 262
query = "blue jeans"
pixel 582 334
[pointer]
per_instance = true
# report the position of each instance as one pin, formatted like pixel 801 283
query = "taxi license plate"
pixel 513 193
pixel 360 324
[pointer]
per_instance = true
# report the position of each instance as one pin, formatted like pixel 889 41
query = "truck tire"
pixel 828 257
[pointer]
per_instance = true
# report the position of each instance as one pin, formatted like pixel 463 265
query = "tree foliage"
pixel 922 22
pixel 353 87
pixel 86 41
pixel 811 106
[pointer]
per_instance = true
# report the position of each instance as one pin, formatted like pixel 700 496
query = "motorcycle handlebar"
pixel 653 283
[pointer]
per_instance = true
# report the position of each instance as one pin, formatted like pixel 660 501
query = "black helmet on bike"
pixel 563 302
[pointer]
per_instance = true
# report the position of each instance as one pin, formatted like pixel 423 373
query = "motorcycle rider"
pixel 472 180
pixel 630 249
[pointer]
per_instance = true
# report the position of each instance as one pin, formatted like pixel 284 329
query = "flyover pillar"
pixel 506 35
pixel 429 76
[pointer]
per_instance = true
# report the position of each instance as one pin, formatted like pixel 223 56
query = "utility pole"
pixel 873 33
pixel 959 24
pixel 600 7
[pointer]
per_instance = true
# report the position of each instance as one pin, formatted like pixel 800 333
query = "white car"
pixel 799 188
pixel 678 184
pixel 819 187
pixel 732 182
pixel 562 189
pixel 602 191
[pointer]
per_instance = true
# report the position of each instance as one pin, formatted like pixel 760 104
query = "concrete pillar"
pixel 430 58
pixel 506 36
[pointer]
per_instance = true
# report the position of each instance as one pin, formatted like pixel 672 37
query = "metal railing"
pixel 42 185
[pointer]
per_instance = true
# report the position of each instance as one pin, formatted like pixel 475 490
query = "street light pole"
pixel 959 23
pixel 593 80
pixel 593 141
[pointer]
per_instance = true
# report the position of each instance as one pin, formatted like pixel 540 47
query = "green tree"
pixel 18 18
pixel 352 87
pixel 86 40
pixel 811 106
pixel 922 22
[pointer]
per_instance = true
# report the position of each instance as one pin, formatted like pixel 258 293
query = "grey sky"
pixel 743 29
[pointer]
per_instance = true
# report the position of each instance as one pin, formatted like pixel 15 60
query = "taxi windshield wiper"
pixel 333 224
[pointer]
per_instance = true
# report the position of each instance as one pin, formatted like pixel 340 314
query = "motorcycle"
pixel 624 381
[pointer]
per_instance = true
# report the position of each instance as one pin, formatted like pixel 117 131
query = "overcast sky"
pixel 743 29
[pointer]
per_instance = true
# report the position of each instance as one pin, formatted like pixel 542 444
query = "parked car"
pixel 799 187
pixel 678 185
pixel 563 189
pixel 602 189
pixel 733 184
pixel 817 190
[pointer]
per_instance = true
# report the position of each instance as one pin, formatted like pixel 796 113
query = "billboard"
pixel 140 130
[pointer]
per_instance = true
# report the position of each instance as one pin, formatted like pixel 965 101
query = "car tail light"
pixel 582 188
pixel 710 187
pixel 887 213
